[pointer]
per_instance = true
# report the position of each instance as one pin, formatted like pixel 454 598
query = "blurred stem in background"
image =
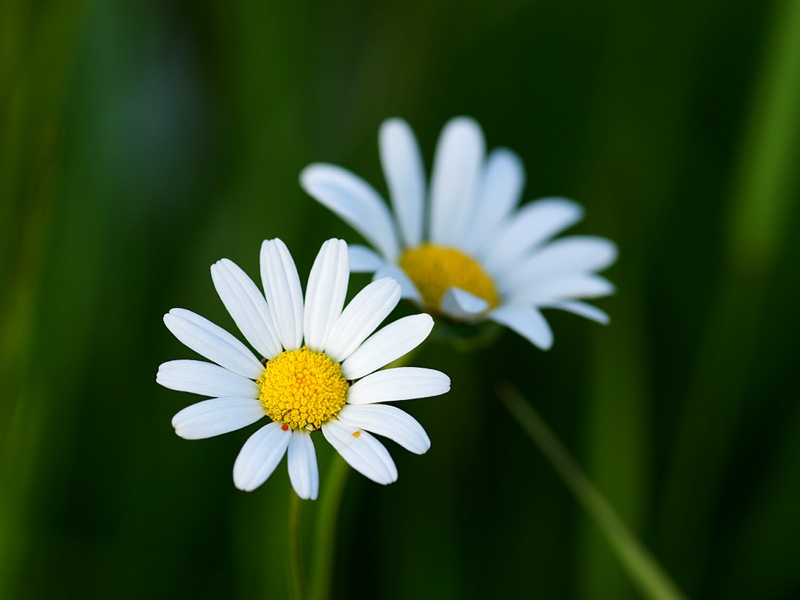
pixel 643 570
pixel 759 208
pixel 37 48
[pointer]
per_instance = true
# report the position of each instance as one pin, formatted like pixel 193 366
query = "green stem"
pixel 640 565
pixel 295 547
pixel 327 521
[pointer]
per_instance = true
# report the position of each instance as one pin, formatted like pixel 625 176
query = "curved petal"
pixel 386 345
pixel 407 288
pixel 405 176
pixel 283 292
pixel 573 253
pixel 501 186
pixel 259 456
pixel 462 305
pixel 533 224
pixel 355 201
pixel 197 377
pixel 455 179
pixel 583 310
pixel 327 288
pixel 562 286
pixel 361 451
pixel 363 259
pixel 390 422
pixel 212 342
pixel 248 307
pixel 361 317
pixel 303 471
pixel 216 416
pixel 402 383
pixel 526 321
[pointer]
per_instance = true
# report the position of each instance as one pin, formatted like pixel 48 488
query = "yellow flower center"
pixel 435 269
pixel 302 389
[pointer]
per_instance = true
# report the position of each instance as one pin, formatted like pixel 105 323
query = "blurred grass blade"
pixel 761 202
pixel 642 568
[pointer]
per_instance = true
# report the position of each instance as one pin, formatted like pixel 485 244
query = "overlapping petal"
pixel 325 293
pixel 303 471
pixel 461 305
pixel 283 292
pixel 206 379
pixel 361 317
pixel 390 422
pixel 212 342
pixel 386 345
pixel 405 176
pixel 401 383
pixel 216 416
pixel 456 174
pixel 526 321
pixel 363 259
pixel 259 456
pixel 361 451
pixel 501 185
pixel 356 202
pixel 533 224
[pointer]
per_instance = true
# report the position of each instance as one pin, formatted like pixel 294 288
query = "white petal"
pixel 361 451
pixel 197 377
pixel 388 421
pixel 355 201
pixel 407 288
pixel 212 342
pixel 462 305
pixel 327 287
pixel 387 344
pixel 455 179
pixel 501 185
pixel 283 292
pixel 533 224
pixel 216 416
pixel 363 259
pixel 582 309
pixel 303 471
pixel 361 317
pixel 259 456
pixel 574 253
pixel 402 383
pixel 526 321
pixel 405 176
pixel 247 306
pixel 561 286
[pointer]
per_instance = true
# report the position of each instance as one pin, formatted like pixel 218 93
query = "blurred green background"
pixel 141 141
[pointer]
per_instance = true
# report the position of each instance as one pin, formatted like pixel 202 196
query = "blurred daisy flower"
pixel 318 370
pixel 463 249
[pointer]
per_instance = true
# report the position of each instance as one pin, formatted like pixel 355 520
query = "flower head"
pixel 463 249
pixel 318 370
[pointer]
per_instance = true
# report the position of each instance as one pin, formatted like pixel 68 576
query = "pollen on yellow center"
pixel 435 269
pixel 302 389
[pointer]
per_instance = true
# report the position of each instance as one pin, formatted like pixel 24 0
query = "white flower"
pixel 318 370
pixel 463 249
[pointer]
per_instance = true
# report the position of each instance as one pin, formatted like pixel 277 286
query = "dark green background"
pixel 141 141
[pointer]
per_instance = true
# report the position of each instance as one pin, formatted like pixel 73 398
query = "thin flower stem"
pixel 644 571
pixel 296 578
pixel 327 521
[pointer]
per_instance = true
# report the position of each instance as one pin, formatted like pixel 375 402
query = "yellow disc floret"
pixel 435 269
pixel 302 389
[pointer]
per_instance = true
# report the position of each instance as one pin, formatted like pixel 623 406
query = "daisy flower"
pixel 463 249
pixel 319 369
